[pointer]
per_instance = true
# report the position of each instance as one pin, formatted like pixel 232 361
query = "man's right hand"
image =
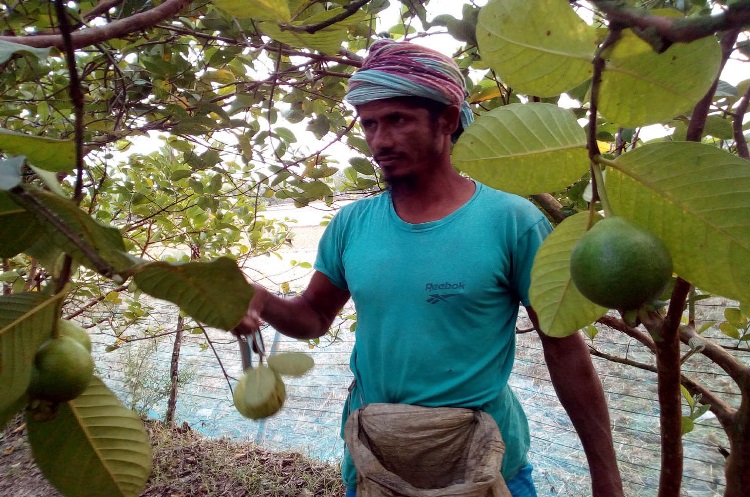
pixel 251 321
pixel 304 317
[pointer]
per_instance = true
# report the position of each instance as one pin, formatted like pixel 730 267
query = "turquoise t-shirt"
pixel 437 305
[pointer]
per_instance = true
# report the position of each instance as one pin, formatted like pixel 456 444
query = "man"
pixel 436 267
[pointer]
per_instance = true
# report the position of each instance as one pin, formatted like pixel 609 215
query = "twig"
pixel 591 144
pixel 216 354
pixel 76 95
pixel 349 11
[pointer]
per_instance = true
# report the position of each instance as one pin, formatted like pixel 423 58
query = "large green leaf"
pixel 93 447
pixel 265 10
pixel 215 293
pixel 695 198
pixel 642 87
pixel 18 229
pixel 26 320
pixel 7 49
pixel 539 47
pixel 46 153
pixel 524 149
pixel 327 40
pixel 106 241
pixel 561 308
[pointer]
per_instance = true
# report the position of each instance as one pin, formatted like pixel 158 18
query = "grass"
pixel 186 464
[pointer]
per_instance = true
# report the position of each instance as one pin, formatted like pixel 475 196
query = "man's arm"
pixel 581 394
pixel 306 316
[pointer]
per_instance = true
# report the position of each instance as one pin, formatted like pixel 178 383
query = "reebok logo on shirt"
pixel 435 298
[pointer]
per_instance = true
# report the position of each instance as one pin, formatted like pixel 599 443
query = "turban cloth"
pixel 400 69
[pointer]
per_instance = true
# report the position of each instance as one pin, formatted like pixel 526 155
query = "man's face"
pixel 405 140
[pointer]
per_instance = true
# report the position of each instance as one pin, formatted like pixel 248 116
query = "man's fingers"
pixel 250 323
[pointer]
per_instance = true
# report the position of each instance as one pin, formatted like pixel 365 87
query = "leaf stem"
pixel 596 169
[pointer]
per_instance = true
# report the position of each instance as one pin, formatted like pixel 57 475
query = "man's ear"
pixel 450 119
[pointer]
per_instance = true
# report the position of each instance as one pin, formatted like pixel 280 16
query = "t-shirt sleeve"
pixel 526 249
pixel 329 260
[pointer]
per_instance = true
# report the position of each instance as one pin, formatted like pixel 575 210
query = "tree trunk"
pixel 174 371
pixel 738 462
pixel 668 372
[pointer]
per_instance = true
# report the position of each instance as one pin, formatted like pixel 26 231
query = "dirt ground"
pixel 186 464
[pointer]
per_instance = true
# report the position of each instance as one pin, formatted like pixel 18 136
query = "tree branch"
pixel 551 206
pixel 621 326
pixel 718 355
pixel 98 34
pixel 661 32
pixel 700 111
pixel 739 134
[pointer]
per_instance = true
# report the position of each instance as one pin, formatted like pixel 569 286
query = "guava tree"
pixel 687 192
pixel 234 84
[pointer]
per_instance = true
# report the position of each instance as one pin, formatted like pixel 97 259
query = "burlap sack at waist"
pixel 412 451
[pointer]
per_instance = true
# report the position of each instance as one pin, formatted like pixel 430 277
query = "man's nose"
pixel 381 139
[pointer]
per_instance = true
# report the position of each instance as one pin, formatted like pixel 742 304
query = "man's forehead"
pixel 389 106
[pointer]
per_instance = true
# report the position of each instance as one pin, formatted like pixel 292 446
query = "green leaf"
pixel 687 424
pixel 18 229
pixel 719 127
pixel 215 293
pixel 539 47
pixel 105 240
pixel 10 172
pixel 26 320
pixel 687 396
pixel 362 165
pixel 46 153
pixel 641 87
pixel 524 149
pixel 694 197
pixel 561 308
pixel 50 180
pixel 734 317
pixel 266 10
pixel 701 410
pixel 705 326
pixel 291 363
pixel 7 49
pixel 591 331
pixel 327 40
pixel 94 446
pixel 729 330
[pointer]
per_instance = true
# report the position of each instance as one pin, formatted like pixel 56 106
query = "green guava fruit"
pixel 619 265
pixel 61 371
pixel 72 330
pixel 260 393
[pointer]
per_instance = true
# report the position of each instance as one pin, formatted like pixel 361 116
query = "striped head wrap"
pixel 401 69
